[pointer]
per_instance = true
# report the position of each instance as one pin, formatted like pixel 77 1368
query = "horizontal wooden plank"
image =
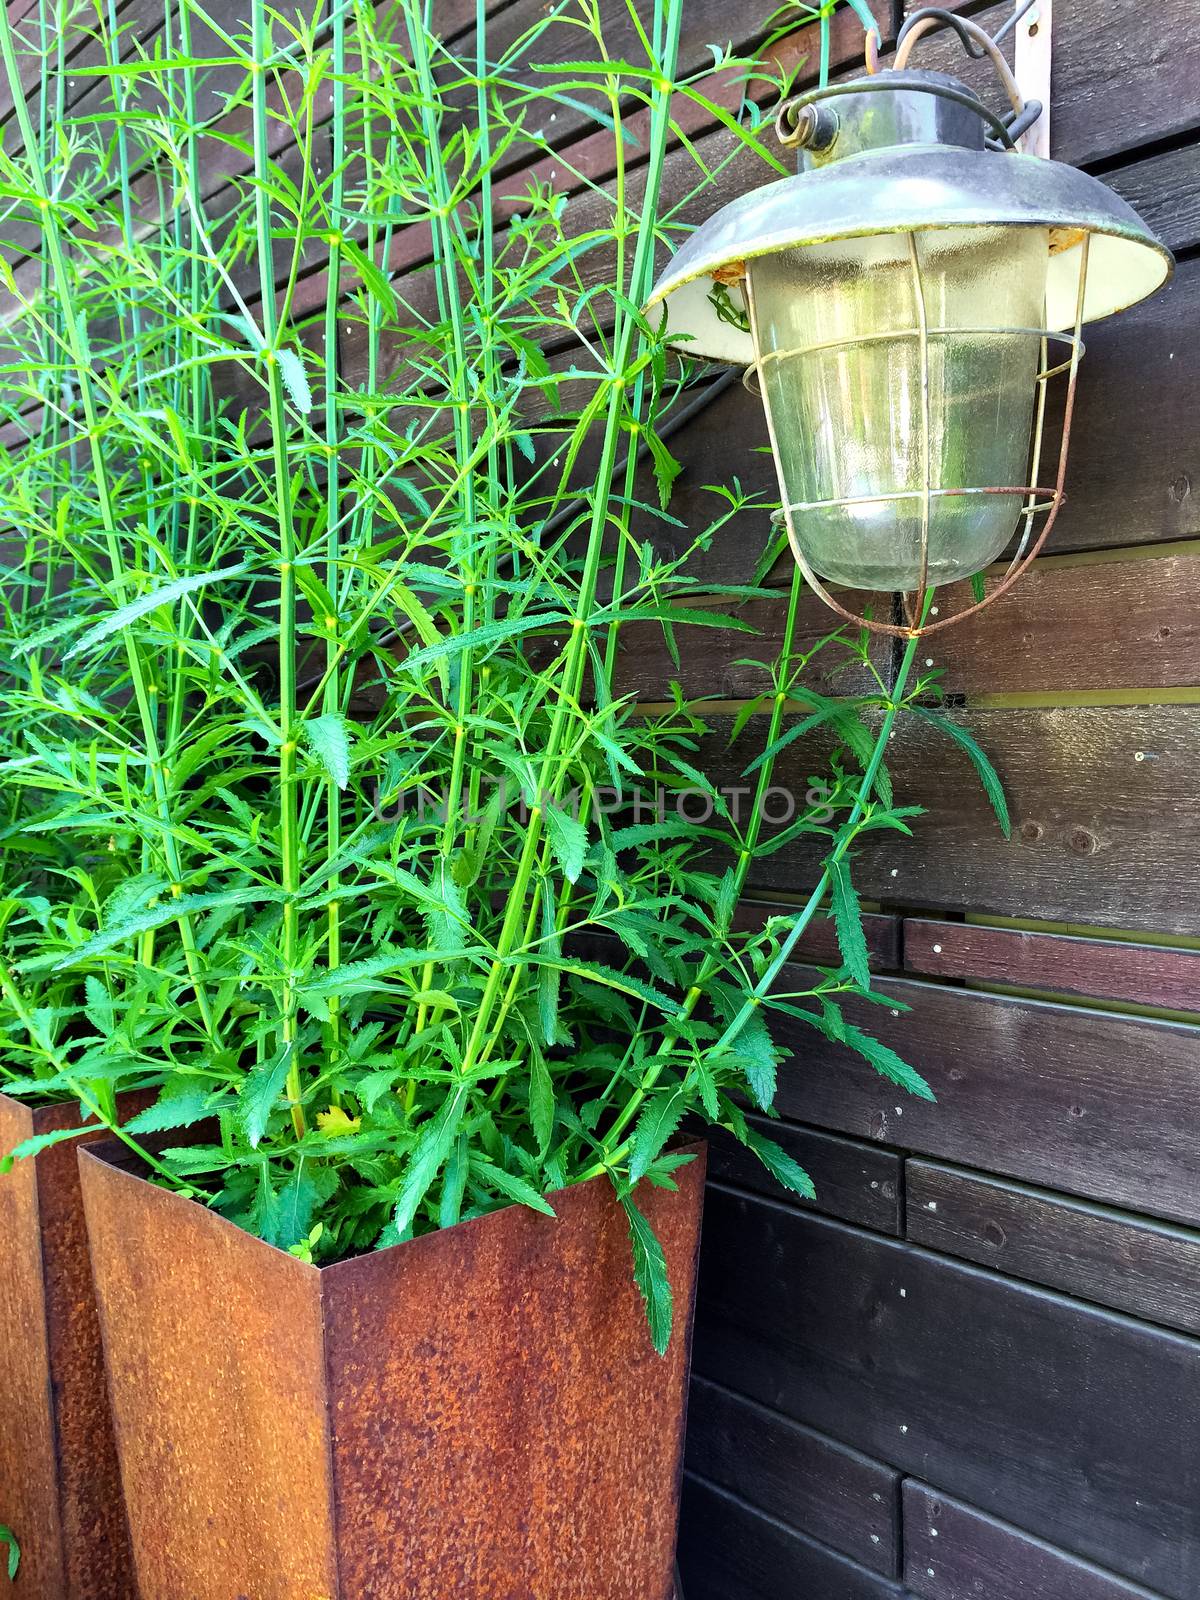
pixel 1119 624
pixel 1073 1423
pixel 854 1180
pixel 1145 1268
pixel 728 1551
pixel 732 665
pixel 1164 190
pixel 703 22
pixel 1117 83
pixel 953 1552
pixel 1106 969
pixel 1098 1105
pixel 817 1487
pixel 1132 466
pixel 818 943
pixel 1087 787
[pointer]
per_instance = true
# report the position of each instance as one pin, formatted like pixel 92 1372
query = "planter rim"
pixel 111 1153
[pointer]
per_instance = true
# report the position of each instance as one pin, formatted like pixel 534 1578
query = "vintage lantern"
pixel 901 306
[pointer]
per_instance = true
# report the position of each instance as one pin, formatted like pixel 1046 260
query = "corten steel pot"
pixel 475 1413
pixel 60 1490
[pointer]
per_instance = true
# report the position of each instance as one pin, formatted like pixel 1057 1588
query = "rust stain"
pixel 502 1427
pixel 476 1412
pixel 59 1484
pixel 213 1346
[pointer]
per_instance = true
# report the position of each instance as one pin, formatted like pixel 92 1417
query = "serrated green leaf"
pixel 541 1102
pixel 428 1156
pixel 329 738
pixel 885 1061
pixel 176 1107
pixel 988 775
pixel 166 594
pixel 757 1058
pixel 658 1120
pixel 568 840
pixel 514 1187
pixel 259 1095
pixel 650 1274
pixel 848 923
pixel 39 1142
pixel 295 380
pixel 375 281
pixel 9 1538
pixel 782 1167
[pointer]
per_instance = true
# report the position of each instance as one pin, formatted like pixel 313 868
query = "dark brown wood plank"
pixel 732 665
pixel 1087 787
pixel 1106 969
pixel 819 942
pixel 1165 192
pixel 1145 1268
pixel 1118 83
pixel 1098 1105
pixel 817 1487
pixel 727 1551
pixel 1119 624
pixel 1134 460
pixel 1073 1423
pixel 703 22
pixel 855 1181
pixel 953 1551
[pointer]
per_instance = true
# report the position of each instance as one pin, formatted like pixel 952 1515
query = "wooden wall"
pixel 971 1371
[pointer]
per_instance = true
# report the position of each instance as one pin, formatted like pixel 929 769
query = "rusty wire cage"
pixel 886 412
pixel 1037 502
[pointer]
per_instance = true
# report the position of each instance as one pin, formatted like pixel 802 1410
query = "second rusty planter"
pixel 477 1412
pixel 59 1489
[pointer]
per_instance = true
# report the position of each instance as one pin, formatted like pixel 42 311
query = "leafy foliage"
pixel 325 790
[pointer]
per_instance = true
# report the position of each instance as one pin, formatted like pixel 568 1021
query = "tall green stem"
pixel 289 729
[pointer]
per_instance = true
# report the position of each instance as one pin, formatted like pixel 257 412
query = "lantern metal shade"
pixel 920 202
pixel 914 189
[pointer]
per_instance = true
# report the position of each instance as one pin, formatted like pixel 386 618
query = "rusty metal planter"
pixel 60 1490
pixel 475 1413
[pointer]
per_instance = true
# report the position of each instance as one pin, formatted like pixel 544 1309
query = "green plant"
pixel 333 498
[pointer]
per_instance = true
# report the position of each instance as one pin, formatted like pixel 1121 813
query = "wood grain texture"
pixel 953 1552
pixel 728 1551
pixel 1144 1268
pixel 1117 83
pixel 1117 625
pixel 854 1180
pixel 703 22
pixel 1098 1105
pixel 819 943
pixel 819 1488
pixel 1088 843
pixel 1165 192
pixel 1106 969
pixel 1073 1423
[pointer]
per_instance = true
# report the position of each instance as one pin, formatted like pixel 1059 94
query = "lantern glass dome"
pixel 844 371
pixel 900 304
